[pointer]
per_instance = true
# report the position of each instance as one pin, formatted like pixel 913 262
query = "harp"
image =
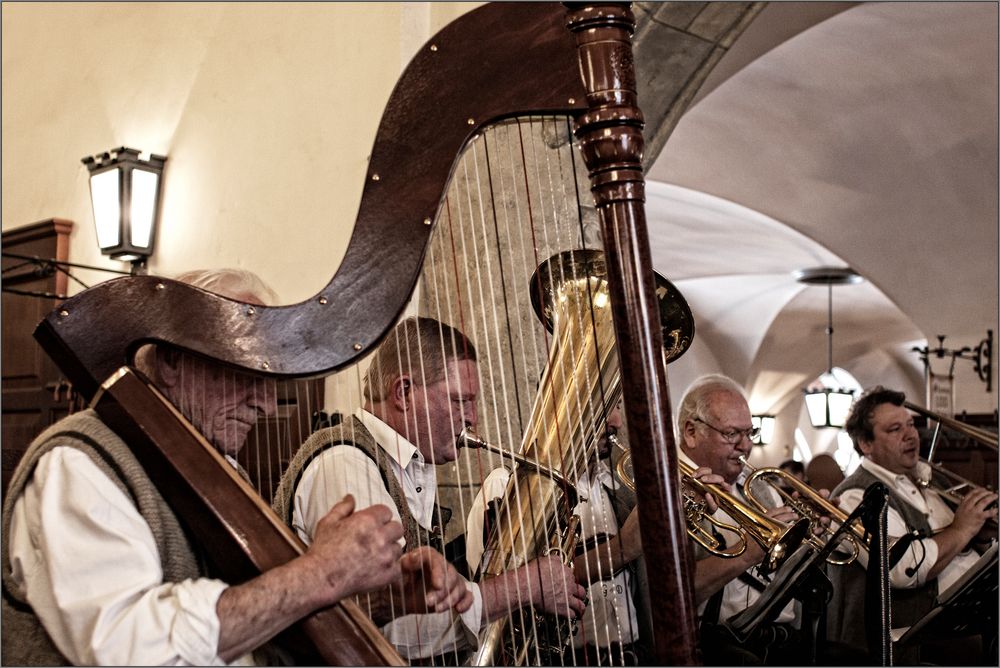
pixel 472 77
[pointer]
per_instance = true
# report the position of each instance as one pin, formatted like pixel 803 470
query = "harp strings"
pixel 513 203
pixel 497 225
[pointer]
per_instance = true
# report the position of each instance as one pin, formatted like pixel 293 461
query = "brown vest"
pixel 352 432
pixel 846 611
pixel 25 642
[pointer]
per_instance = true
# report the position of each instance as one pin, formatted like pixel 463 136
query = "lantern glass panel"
pixel 816 405
pixel 840 406
pixel 766 429
pixel 107 207
pixel 144 185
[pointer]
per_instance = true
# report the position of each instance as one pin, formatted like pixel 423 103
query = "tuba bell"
pixel 579 388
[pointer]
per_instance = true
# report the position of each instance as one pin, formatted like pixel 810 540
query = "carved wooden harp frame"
pixel 496 62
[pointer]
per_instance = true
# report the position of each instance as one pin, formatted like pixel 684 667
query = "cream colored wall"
pixel 266 112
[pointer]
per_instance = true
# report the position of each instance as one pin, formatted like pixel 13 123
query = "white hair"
pixel 232 283
pixel 694 403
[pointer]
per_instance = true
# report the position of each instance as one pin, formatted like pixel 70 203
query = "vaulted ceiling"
pixel 835 134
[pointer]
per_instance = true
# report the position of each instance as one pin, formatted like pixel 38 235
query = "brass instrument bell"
pixel 810 505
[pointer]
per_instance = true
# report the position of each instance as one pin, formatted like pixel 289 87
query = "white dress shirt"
pixel 911 571
pixel 737 595
pixel 88 564
pixel 345 469
pixel 610 616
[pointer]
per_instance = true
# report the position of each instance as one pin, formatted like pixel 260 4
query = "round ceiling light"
pixel 828 276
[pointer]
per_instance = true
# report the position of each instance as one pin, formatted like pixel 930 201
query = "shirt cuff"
pixel 196 626
pixel 473 617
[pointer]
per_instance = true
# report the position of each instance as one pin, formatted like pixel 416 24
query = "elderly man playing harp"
pixel 420 391
pixel 931 541
pixel 99 570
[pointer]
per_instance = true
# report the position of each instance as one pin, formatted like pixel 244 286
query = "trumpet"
pixel 954 489
pixel 778 539
pixel 811 506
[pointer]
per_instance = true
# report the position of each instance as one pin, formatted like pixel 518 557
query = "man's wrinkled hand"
pixel 355 552
pixel 431 584
pixel 554 587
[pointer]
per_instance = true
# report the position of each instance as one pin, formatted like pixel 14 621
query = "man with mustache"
pixel 420 391
pixel 935 551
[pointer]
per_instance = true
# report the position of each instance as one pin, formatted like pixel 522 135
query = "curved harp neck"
pixel 435 107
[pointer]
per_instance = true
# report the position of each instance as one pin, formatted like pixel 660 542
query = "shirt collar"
pixel 391 441
pixel 887 476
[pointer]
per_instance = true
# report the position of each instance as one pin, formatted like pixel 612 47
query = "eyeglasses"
pixel 733 436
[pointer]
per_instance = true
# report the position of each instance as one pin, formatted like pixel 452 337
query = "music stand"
pixel 968 607
pixel 801 577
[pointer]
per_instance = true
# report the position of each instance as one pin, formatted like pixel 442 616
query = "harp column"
pixel 610 135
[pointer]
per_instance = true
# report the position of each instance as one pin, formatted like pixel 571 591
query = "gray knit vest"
pixel 845 613
pixel 25 642
pixel 353 433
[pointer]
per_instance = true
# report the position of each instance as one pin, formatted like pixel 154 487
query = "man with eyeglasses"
pixel 714 430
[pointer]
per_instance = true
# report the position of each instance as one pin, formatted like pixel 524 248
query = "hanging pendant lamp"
pixel 828 407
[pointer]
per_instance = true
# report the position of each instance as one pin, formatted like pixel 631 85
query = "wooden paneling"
pixel 960 454
pixel 34 392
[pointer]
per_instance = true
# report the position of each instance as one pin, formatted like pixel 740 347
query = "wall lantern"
pixel 828 407
pixel 766 425
pixel 125 193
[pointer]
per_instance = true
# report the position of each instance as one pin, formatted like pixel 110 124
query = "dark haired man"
pixel 937 539
pixel 794 468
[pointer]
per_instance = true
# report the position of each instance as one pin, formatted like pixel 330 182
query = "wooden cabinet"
pixel 35 394
pixel 959 453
